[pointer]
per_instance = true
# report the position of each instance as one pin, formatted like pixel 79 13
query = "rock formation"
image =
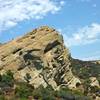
pixel 42 55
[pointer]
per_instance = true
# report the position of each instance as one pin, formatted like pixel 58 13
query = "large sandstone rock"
pixel 42 54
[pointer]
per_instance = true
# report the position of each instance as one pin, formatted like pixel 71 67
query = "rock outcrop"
pixel 42 54
pixel 41 58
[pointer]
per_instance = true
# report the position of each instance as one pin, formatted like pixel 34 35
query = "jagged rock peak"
pixel 43 30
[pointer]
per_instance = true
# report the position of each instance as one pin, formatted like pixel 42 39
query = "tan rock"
pixel 94 82
pixel 41 53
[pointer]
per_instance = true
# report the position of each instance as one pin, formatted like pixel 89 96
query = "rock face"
pixel 40 58
pixel 42 54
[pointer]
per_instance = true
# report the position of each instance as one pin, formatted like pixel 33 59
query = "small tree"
pixel 8 78
pixel 23 90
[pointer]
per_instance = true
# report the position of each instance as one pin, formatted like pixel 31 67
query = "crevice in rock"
pixel 51 45
pixel 17 50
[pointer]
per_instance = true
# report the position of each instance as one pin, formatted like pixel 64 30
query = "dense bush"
pixel 67 94
pixel 44 93
pixel 23 90
pixel 63 94
pixel 2 97
pixel 7 79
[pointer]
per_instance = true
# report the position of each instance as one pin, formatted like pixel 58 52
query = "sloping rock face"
pixel 41 54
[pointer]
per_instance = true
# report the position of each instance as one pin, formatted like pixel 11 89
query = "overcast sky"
pixel 77 20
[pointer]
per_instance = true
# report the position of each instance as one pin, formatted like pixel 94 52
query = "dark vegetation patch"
pixel 84 70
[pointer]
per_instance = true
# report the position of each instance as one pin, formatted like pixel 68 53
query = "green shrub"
pixel 23 90
pixel 2 97
pixel 7 79
pixel 44 93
